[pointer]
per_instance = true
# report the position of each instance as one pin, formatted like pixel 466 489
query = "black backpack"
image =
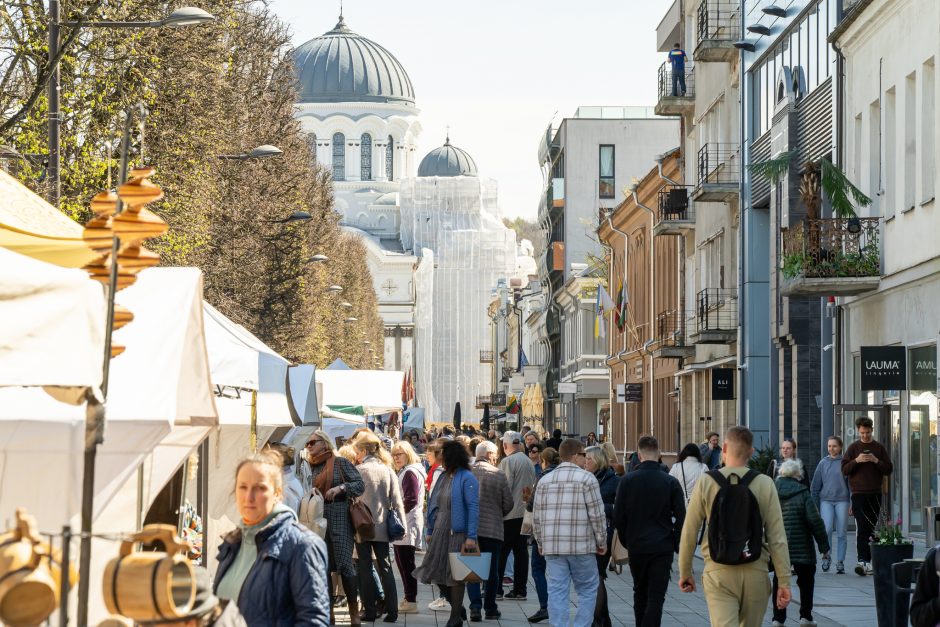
pixel 735 526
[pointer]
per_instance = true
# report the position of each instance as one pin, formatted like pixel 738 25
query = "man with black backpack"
pixel 745 524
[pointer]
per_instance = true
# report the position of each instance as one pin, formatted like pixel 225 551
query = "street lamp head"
pixel 187 16
pixel 745 45
pixel 265 151
pixel 334 289
pixel 366 342
pixel 346 304
pixel 352 319
pixel 298 216
pixel 318 259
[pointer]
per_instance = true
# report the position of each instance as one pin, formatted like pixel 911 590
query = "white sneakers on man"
pixel 439 605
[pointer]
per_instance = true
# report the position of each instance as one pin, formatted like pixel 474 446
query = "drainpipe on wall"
pixel 636 199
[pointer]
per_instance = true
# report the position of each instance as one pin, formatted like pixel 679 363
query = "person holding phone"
pixel 866 463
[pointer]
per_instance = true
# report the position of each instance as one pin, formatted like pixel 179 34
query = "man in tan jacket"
pixel 737 594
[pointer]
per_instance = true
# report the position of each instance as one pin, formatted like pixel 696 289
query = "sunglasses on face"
pixel 312 443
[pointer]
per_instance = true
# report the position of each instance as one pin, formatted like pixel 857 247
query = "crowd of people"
pixel 558 507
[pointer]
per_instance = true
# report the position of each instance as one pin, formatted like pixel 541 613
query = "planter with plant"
pixel 888 547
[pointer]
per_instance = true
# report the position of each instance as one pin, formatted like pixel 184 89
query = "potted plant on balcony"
pixel 888 547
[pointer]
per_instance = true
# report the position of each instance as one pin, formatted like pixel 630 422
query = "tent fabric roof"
pixel 53 324
pixel 378 391
pixel 338 364
pixel 31 226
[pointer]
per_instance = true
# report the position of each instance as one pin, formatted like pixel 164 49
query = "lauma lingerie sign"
pixel 884 368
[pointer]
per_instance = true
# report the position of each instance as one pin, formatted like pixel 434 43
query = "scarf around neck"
pixel 324 480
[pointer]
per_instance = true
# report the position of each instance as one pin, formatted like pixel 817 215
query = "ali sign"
pixel 723 384
pixel 884 368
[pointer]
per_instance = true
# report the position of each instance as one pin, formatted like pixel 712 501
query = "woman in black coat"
pixel 596 462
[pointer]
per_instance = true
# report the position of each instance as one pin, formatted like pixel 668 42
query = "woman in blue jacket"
pixel 270 566
pixel 453 515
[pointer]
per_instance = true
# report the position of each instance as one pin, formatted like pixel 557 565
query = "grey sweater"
pixel 829 484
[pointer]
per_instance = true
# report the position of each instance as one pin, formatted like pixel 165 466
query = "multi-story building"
pixel 888 125
pixel 646 342
pixel 586 160
pixel 699 209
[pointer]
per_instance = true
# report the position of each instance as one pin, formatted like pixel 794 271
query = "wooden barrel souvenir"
pixel 29 575
pixel 150 586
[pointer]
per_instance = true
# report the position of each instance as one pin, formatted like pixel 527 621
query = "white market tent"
pixel 161 380
pixel 376 391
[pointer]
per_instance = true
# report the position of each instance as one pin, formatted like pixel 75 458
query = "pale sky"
pixel 497 72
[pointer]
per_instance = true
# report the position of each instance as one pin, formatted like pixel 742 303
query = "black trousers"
pixel 367 587
pixel 806 581
pixel 866 509
pixel 517 544
pixel 650 581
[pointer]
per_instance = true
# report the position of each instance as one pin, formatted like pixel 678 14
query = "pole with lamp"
pixel 185 16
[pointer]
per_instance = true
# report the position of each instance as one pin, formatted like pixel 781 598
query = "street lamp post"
pixel 185 16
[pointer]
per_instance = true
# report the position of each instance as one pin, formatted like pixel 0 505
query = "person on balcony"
pixel 677 59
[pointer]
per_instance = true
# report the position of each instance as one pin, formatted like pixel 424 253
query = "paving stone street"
pixel 839 600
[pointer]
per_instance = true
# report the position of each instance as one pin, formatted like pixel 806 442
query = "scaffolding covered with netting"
pixel 456 222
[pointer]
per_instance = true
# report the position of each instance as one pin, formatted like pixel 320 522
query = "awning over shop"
pixel 53 324
pixel 32 227
pixel 533 401
pixel 376 391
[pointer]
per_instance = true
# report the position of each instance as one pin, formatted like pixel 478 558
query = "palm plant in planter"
pixel 821 255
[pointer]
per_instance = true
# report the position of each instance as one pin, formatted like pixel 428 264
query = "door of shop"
pixel 923 466
pixel 887 431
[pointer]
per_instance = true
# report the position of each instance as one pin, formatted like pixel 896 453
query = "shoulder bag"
pixel 393 523
pixel 360 514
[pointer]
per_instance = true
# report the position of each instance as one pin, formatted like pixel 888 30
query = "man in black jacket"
pixel 648 515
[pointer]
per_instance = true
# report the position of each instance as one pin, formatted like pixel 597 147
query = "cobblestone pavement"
pixel 839 600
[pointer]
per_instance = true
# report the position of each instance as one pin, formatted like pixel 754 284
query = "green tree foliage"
pixel 529 230
pixel 220 88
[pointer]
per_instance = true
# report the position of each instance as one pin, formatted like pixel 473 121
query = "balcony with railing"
pixel 495 400
pixel 718 169
pixel 486 357
pixel 555 256
pixel 831 257
pixel 552 323
pixel 716 316
pixel 675 214
pixel 557 190
pixel 718 27
pixel 676 91
pixel 671 338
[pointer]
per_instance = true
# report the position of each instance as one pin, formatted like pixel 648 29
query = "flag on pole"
pixel 599 324
pixel 620 315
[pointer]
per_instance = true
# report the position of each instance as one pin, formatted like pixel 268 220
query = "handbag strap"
pixel 684 489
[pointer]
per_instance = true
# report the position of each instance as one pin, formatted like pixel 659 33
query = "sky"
pixel 498 72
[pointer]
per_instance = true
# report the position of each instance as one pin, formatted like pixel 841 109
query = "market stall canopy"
pixel 377 391
pixel 32 227
pixel 240 364
pixel 305 393
pixel 160 380
pixel 413 420
pixel 53 324
pixel 338 364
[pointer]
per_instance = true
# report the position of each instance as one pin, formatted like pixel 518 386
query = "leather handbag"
pixel 393 523
pixel 360 515
pixel 526 523
pixel 618 552
pixel 310 512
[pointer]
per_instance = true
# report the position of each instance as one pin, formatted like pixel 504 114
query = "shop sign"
pixel 568 387
pixel 621 393
pixel 723 384
pixel 922 363
pixel 634 393
pixel 884 368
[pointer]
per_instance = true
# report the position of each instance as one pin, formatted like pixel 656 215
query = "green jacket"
pixel 801 520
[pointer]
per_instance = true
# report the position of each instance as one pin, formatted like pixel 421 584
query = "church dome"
pixel 341 66
pixel 447 160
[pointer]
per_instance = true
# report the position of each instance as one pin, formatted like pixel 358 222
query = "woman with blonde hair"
pixel 339 482
pixel 293 490
pixel 383 495
pixel 611 452
pixel 291 590
pixel 411 478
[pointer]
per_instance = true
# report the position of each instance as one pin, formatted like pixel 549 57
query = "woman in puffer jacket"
pixel 803 524
pixel 273 569
pixel 411 477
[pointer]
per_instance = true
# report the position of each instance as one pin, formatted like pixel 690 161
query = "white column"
pixel 353 165
pixel 325 154
pixel 378 160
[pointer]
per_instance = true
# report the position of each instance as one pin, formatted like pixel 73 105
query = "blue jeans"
pixel 581 570
pixel 836 516
pixel 487 600
pixel 538 576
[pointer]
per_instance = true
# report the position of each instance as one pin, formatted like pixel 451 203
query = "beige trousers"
pixel 737 596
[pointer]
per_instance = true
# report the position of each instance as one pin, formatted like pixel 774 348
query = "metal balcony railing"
pixel 670 328
pixel 674 85
pixel 486 357
pixel 718 20
pixel 832 248
pixel 718 164
pixel 674 204
pixel 716 309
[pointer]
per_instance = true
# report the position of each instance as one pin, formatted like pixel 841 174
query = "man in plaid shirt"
pixel 569 526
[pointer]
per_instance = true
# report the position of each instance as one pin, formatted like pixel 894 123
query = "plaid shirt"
pixel 568 514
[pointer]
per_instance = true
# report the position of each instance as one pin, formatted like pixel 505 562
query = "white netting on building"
pixel 458 219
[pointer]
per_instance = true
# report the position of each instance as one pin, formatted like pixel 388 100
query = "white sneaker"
pixel 807 622
pixel 868 569
pixel 439 605
pixel 776 623
pixel 860 569
pixel 406 607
